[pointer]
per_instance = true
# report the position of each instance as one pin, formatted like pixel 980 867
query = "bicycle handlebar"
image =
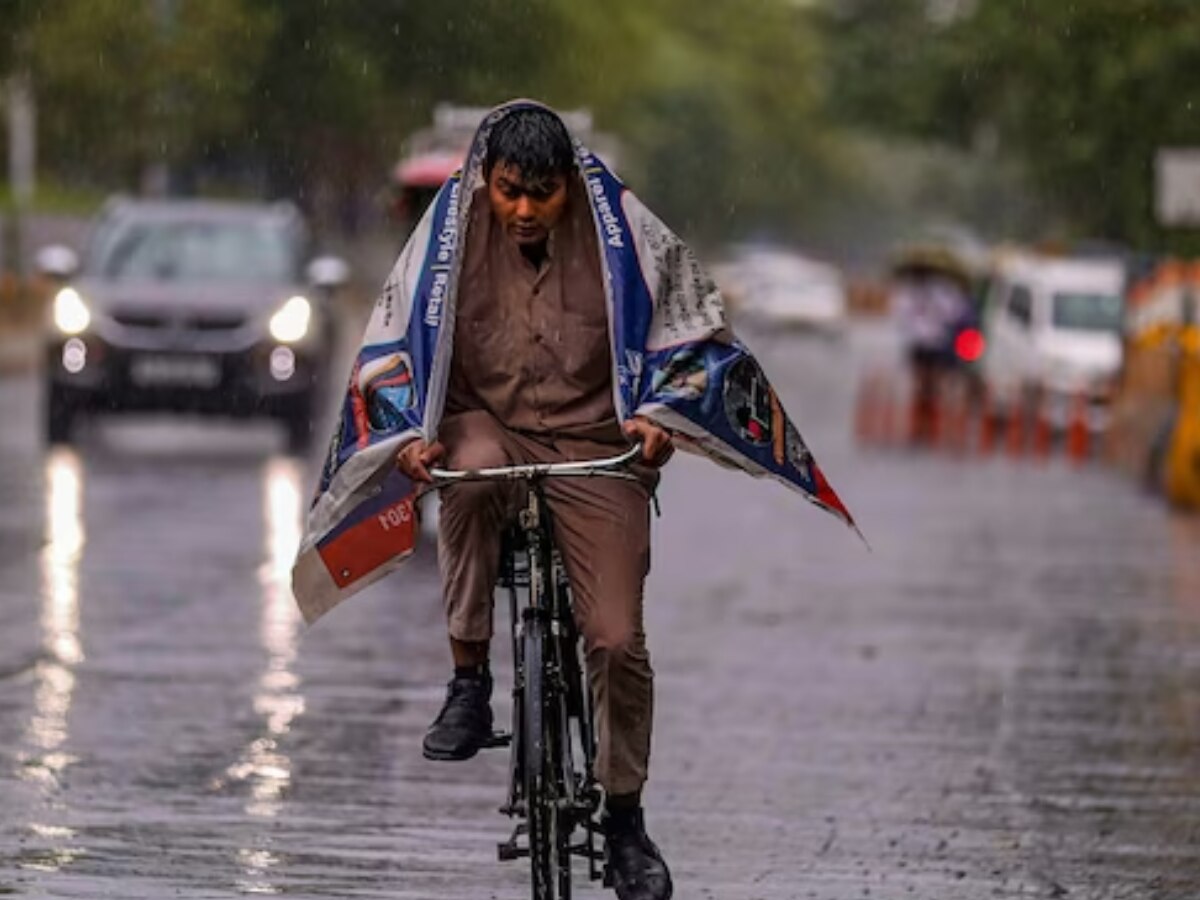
pixel 610 467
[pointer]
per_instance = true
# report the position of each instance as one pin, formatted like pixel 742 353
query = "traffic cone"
pixel 1079 435
pixel 987 424
pixel 935 423
pixel 955 422
pixel 914 427
pixel 1014 432
pixel 887 412
pixel 924 399
pixel 1043 436
pixel 866 414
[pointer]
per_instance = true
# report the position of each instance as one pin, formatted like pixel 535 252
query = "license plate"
pixel 175 371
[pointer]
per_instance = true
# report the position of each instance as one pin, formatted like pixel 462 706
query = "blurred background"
pixel 838 125
pixel 961 236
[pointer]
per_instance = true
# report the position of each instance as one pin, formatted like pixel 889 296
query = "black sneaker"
pixel 635 865
pixel 465 722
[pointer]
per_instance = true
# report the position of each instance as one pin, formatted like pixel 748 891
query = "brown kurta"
pixel 532 346
pixel 531 381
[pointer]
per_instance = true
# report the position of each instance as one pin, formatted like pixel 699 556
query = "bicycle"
pixel 552 787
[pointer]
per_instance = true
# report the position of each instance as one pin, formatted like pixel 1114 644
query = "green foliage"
pixel 55 197
pixel 1086 93
pixel 1082 94
pixel 720 104
pixel 885 67
pixel 14 19
pixel 91 65
pixel 121 84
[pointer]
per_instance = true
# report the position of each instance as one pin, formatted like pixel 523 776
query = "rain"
pixel 958 236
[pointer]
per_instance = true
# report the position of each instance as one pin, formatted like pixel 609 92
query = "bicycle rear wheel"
pixel 547 825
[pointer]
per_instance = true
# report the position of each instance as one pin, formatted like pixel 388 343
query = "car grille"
pixel 141 320
pixel 215 322
pixel 194 322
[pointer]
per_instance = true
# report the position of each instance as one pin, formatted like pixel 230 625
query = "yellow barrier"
pixel 1156 414
pixel 1181 474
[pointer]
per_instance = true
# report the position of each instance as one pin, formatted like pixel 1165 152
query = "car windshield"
pixel 194 251
pixel 1087 311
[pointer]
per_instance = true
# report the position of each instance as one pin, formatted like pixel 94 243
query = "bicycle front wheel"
pixel 547 825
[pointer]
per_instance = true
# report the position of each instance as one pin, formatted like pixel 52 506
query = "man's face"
pixel 527 210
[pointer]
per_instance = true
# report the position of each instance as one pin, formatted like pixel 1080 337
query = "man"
pixel 930 306
pixel 541 312
pixel 531 381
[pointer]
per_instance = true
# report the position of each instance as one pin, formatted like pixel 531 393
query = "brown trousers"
pixel 602 529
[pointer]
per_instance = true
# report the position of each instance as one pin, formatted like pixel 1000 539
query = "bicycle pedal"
pixel 509 852
pixel 498 739
pixel 511 849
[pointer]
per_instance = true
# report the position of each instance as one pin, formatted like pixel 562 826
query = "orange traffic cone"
pixel 924 401
pixel 915 426
pixel 955 422
pixel 866 415
pixel 987 424
pixel 1079 435
pixel 1014 433
pixel 1043 437
pixel 887 413
pixel 935 421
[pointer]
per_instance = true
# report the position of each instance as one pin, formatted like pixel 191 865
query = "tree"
pixel 721 104
pixel 1086 93
pixel 122 84
pixel 1081 94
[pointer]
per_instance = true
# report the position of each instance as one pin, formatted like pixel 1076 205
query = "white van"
pixel 1053 329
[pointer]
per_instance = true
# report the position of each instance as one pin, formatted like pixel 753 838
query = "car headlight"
pixel 70 312
pixel 291 323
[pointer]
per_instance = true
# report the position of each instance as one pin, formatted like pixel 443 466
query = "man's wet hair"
pixel 533 140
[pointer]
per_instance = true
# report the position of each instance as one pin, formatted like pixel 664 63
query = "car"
pixel 1053 329
pixel 189 306
pixel 779 288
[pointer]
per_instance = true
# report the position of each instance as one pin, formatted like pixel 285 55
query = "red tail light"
pixel 969 345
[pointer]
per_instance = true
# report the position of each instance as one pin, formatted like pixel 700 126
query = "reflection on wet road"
pixel 44 761
pixel 999 701
pixel 264 763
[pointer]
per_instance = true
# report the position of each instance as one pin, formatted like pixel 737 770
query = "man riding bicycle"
pixel 530 381
pixel 541 313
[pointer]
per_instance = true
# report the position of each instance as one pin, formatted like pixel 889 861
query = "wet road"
pixel 1001 700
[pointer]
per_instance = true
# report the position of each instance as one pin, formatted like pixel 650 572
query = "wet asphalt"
pixel 1000 699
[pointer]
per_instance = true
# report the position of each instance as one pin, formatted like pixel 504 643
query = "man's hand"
pixel 415 456
pixel 656 442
